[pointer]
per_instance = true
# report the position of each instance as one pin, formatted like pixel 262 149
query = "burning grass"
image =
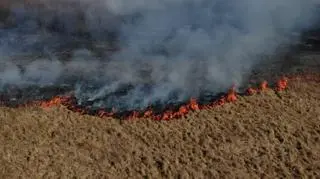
pixel 258 136
pixel 167 113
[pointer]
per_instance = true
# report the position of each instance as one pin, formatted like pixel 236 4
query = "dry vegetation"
pixel 267 135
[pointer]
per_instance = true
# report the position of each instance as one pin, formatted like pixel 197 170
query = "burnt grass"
pixel 260 136
pixel 272 69
pixel 16 97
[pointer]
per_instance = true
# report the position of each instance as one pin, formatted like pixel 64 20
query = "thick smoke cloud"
pixel 169 50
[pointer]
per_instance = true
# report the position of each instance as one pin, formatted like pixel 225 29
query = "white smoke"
pixel 166 46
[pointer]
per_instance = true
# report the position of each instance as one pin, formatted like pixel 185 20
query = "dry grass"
pixel 267 135
pixel 259 136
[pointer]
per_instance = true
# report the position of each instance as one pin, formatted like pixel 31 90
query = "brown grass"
pixel 267 135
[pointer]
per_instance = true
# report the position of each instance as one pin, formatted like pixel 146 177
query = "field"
pixel 267 135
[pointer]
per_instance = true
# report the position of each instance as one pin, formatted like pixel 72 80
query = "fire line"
pixel 183 110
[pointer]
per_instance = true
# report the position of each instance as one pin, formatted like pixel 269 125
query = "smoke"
pixel 169 50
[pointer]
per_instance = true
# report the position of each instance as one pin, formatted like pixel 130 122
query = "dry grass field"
pixel 266 135
pixel 262 136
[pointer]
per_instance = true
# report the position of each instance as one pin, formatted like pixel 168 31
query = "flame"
pixel 220 102
pixel 148 113
pixel 282 84
pixel 263 85
pixel 251 91
pixel 193 105
pixel 167 115
pixel 102 113
pixel 183 110
pixel 56 101
pixel 232 95
pixel 170 114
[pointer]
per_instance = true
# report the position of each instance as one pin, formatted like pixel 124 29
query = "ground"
pixel 266 135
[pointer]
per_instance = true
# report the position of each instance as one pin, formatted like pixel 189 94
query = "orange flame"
pixel 56 101
pixel 232 95
pixel 183 110
pixel 148 113
pixel 167 115
pixel 193 104
pixel 282 84
pixel 103 113
pixel 263 85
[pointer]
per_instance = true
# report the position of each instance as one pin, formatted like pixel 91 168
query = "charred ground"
pixel 268 135
pixel 258 136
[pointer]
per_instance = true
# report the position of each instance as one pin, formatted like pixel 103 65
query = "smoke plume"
pixel 166 50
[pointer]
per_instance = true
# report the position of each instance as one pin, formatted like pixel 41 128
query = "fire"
pixel 167 115
pixel 282 84
pixel 148 113
pixel 56 101
pixel 193 104
pixel 183 110
pixel 171 114
pixel 70 102
pixel 219 102
pixel 103 113
pixel 251 91
pixel 232 95
pixel 263 85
